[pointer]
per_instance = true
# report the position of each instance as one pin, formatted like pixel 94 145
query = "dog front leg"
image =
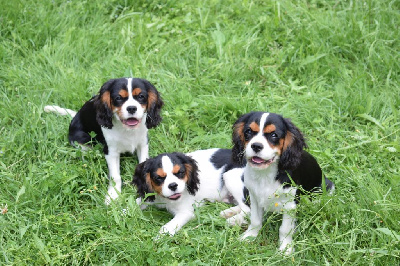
pixel 256 215
pixel 286 231
pixel 114 187
pixel 176 223
pixel 233 181
pixel 142 152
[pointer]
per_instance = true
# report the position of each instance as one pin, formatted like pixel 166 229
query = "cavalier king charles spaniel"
pixel 181 181
pixel 120 116
pixel 277 170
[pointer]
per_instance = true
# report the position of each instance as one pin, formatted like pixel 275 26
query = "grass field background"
pixel 331 66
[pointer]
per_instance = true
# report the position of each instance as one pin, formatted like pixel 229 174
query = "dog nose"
pixel 173 186
pixel 131 109
pixel 257 147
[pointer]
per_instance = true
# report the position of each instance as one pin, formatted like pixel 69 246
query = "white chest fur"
pixel 121 139
pixel 267 191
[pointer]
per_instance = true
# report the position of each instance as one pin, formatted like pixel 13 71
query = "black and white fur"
pixel 273 150
pixel 182 181
pixel 120 116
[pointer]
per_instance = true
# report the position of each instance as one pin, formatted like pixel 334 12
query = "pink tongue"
pixel 131 122
pixel 256 159
pixel 175 196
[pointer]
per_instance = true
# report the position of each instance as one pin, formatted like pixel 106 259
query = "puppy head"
pixel 168 175
pixel 131 101
pixel 262 139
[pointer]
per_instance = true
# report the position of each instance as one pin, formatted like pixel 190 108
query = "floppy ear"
pixel 102 104
pixel 141 179
pixel 154 104
pixel 293 147
pixel 191 173
pixel 238 141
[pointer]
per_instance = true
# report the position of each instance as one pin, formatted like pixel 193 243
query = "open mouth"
pixel 175 196
pixel 131 122
pixel 259 161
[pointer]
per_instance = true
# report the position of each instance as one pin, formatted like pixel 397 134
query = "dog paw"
pixel 249 235
pixel 167 231
pixel 230 212
pixel 286 249
pixel 139 201
pixel 112 194
pixel 237 219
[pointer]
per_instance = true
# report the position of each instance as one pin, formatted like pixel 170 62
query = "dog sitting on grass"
pixel 277 170
pixel 120 116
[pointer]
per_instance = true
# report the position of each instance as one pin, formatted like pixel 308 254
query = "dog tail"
pixel 59 110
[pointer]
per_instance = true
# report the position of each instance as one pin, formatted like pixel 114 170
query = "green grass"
pixel 331 66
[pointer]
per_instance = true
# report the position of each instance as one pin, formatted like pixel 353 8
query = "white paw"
pixel 112 194
pixel 167 230
pixel 237 219
pixel 230 212
pixel 250 234
pixel 286 248
pixel 142 205
pixel 139 201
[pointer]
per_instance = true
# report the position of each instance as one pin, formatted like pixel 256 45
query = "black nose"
pixel 173 186
pixel 131 109
pixel 257 146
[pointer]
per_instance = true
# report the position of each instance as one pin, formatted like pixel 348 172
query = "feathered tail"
pixel 59 110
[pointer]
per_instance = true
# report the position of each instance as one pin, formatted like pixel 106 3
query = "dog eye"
pixel 248 133
pixel 159 179
pixel 274 135
pixel 180 174
pixel 118 98
pixel 140 97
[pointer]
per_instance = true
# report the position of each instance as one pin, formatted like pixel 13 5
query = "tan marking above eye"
pixel 255 127
pixel 123 93
pixel 160 172
pixel 176 169
pixel 270 128
pixel 136 91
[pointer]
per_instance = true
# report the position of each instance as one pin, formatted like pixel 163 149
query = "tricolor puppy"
pixel 181 181
pixel 120 116
pixel 273 150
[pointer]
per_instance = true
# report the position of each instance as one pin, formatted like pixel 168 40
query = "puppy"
pixel 120 116
pixel 181 181
pixel 277 170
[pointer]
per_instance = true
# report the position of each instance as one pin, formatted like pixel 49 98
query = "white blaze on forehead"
pixel 167 164
pixel 129 86
pixel 263 120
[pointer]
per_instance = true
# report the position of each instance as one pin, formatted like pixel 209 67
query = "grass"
pixel 331 66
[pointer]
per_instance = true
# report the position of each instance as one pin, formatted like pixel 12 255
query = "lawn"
pixel 331 66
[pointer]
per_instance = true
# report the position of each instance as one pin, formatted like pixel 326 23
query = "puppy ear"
pixel 191 173
pixel 293 147
pixel 154 104
pixel 141 179
pixel 102 104
pixel 238 141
